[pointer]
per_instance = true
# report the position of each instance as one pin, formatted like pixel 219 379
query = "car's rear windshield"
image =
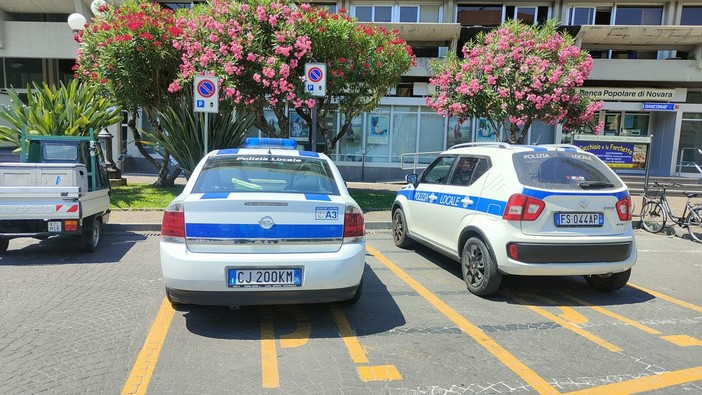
pixel 564 170
pixel 266 173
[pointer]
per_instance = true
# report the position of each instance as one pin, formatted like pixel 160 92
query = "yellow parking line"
pixel 568 325
pixel 143 368
pixel 668 298
pixel 648 383
pixel 350 339
pixel 509 360
pixel 612 314
pixel 269 356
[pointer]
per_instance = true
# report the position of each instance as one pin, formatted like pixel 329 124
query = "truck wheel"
pixel 3 244
pixel 91 234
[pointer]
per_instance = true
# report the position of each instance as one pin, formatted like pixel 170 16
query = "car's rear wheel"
pixel 91 234
pixel 176 306
pixel 4 243
pixel 399 230
pixel 357 295
pixel 653 217
pixel 610 282
pixel 479 269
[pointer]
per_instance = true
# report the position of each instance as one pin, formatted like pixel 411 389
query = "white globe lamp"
pixel 76 21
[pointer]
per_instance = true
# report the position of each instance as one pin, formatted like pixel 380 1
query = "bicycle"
pixel 656 211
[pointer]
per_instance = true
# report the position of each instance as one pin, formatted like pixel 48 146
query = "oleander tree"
pixel 127 52
pixel 514 75
pixel 258 50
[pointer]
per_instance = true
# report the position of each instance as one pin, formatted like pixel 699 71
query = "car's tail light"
pixel 354 224
pixel 523 208
pixel 173 225
pixel 624 209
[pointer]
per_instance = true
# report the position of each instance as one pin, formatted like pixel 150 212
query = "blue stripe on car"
pixel 228 151
pixel 254 231
pixel 316 196
pixel 215 195
pixel 481 204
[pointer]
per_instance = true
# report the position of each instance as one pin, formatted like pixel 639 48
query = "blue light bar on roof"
pixel 265 142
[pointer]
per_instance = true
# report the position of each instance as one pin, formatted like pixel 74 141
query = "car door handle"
pixel 467 202
pixel 432 198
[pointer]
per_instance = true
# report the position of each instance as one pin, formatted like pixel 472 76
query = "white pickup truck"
pixel 59 189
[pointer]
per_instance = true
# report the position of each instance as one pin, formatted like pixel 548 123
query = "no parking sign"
pixel 205 94
pixel 316 79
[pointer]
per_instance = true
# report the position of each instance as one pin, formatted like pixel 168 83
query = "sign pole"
pixel 205 132
pixel 314 127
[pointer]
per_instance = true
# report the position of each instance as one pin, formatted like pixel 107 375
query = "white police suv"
pixel 523 210
pixel 263 224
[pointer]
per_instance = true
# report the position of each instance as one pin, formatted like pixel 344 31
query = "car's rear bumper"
pixel 510 266
pixel 545 253
pixel 202 278
pixel 254 297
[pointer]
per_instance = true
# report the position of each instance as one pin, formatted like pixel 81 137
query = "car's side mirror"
pixel 411 179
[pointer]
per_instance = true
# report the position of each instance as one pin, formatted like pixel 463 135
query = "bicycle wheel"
pixel 694 224
pixel 653 217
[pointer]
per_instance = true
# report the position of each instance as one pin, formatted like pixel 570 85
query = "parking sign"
pixel 316 79
pixel 205 94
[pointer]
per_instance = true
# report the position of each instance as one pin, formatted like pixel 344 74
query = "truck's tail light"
pixel 624 209
pixel 523 208
pixel 354 224
pixel 70 225
pixel 173 225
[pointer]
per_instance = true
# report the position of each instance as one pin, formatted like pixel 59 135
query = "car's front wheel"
pixel 4 243
pixel 479 269
pixel 399 229
pixel 610 282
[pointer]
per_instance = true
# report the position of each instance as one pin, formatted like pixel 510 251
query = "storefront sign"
pixel 659 106
pixel 636 94
pixel 624 152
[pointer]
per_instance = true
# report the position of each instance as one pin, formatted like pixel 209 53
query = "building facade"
pixel 647 70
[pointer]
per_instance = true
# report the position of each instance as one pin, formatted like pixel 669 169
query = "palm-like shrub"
pixel 72 109
pixel 183 131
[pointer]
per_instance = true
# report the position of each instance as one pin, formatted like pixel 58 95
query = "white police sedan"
pixel 263 224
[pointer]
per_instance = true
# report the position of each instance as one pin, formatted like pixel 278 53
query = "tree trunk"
pixel 162 179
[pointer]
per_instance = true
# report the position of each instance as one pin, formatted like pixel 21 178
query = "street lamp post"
pixel 105 138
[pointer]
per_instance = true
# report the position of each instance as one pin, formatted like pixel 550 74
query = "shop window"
pixel 351 144
pixel 404 132
pixel 378 135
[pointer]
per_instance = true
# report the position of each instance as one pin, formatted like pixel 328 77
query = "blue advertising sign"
pixel 659 106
